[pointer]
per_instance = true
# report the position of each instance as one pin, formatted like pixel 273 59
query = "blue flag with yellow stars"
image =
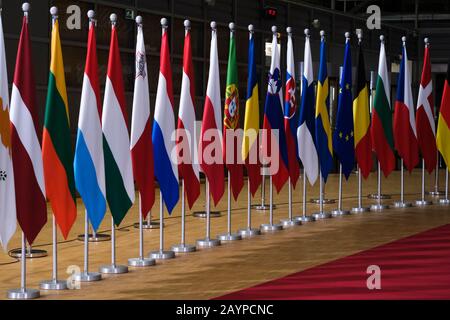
pixel 343 141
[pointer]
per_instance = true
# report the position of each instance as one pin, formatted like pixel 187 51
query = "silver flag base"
pixel 141 262
pixel 87 276
pixel 444 202
pixel 249 232
pixel 113 269
pixel 208 243
pixel 53 285
pixel 322 215
pixel 325 201
pixel 263 207
pixel 267 227
pixel 435 193
pixel 338 213
pixel 202 214
pixel 34 253
pixel 162 255
pixel 23 294
pixel 382 196
pixel 360 209
pixel 422 203
pixel 229 237
pixel 304 219
pixel 290 223
pixel 184 248
pixel 402 204
pixel 146 225
pixel 98 237
pixel 378 207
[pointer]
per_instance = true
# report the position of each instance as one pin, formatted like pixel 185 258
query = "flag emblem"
pixel 231 107
pixel 140 65
pixel 290 89
pixel 274 82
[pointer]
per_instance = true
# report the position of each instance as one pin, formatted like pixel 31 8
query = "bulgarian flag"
pixel 443 128
pixel 57 152
pixel 381 129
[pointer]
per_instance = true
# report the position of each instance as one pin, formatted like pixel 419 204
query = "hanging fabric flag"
pixel 141 131
pixel 57 153
pixel 290 114
pixel 210 147
pixel 343 137
pixel 26 149
pixel 405 136
pixel 188 167
pixel 231 122
pixel 7 193
pixel 273 118
pixel 323 127
pixel 116 142
pixel 166 170
pixel 426 129
pixel 305 132
pixel 89 163
pixel 361 117
pixel 381 128
pixel 443 129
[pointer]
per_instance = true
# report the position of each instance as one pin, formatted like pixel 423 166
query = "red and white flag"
pixel 25 145
pixel 188 168
pixel 426 128
pixel 210 146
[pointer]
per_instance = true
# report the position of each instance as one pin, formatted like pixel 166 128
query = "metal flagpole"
pixel 304 217
pixel 207 242
pixel 339 211
pixel 446 200
pixel 249 231
pixel 183 247
pixel 113 267
pixel 379 206
pixel 321 214
pixel 263 206
pixel 402 203
pixel 360 208
pixel 229 236
pixel 436 192
pixel 148 223
pixel 422 202
pixel 161 254
pixel 270 227
pixel 290 222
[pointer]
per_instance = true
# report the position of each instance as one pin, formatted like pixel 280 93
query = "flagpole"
pixel 271 227
pixel 249 231
pixel 378 206
pixel 446 200
pixel 321 214
pixel 339 211
pixel 360 208
pixel 436 192
pixel 229 236
pixel 161 254
pixel 402 203
pixel 290 222
pixel 263 206
pixel 422 202
pixel 183 247
pixel 207 242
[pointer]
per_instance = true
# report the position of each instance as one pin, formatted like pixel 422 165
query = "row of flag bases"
pixel 114 116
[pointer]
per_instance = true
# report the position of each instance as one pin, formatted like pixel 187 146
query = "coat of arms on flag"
pixel 231 107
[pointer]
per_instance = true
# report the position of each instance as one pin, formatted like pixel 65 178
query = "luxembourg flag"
pixel 166 170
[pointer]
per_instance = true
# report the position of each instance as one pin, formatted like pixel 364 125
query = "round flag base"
pixel 229 237
pixel 54 285
pixel 382 196
pixel 146 225
pixel 290 223
pixel 444 202
pixel 87 277
pixel 34 253
pixel 267 227
pixel 162 255
pixel 402 204
pixel 378 207
pixel 113 269
pixel 98 237
pixel 304 219
pixel 263 207
pixel 141 262
pixel 249 232
pixel 322 215
pixel 23 294
pixel 338 213
pixel 435 193
pixel 208 243
pixel 202 214
pixel 360 209
pixel 325 201
pixel 184 248
pixel 422 203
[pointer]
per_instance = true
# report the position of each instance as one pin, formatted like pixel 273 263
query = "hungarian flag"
pixel 56 146
pixel 404 121
pixel 89 163
pixel 7 194
pixel 361 118
pixel 230 147
pixel 188 168
pixel 290 114
pixel 26 149
pixel 210 146
pixel 273 121
pixel 443 129
pixel 116 140
pixel 426 129
pixel 250 151
pixel 141 131
pixel 381 129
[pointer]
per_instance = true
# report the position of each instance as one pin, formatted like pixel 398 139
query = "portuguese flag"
pixel 56 147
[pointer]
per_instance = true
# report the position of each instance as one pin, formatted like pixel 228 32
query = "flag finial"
pixel 113 18
pixel 427 42
pixel 91 14
pixel 187 24
pixel 322 35
pixel 382 38
pixel 404 40
pixel 347 36
pixel 306 31
pixel 232 26
pixel 25 8
pixel 54 11
pixel 289 31
pixel 251 28
pixel 139 21
pixel 164 23
pixel 213 25
pixel 360 35
pixel 274 30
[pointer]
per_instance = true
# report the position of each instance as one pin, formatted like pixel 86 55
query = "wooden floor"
pixel 213 272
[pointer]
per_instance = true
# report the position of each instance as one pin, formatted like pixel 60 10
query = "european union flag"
pixel 343 141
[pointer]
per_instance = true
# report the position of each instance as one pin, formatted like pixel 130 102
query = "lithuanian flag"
pixel 443 128
pixel 56 143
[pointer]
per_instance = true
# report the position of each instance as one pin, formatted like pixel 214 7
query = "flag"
pixel 7 193
pixel 210 135
pixel 426 129
pixel 305 131
pixel 89 163
pixel 405 136
pixel 381 129
pixel 231 122
pixel 116 140
pixel 188 169
pixel 361 118
pixel 25 146
pixel 443 129
pixel 163 127
pixel 273 119
pixel 343 136
pixel 250 151
pixel 57 152
pixel 323 128
pixel 141 131
pixel 290 114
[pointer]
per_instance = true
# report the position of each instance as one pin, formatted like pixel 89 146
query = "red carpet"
pixel 416 267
